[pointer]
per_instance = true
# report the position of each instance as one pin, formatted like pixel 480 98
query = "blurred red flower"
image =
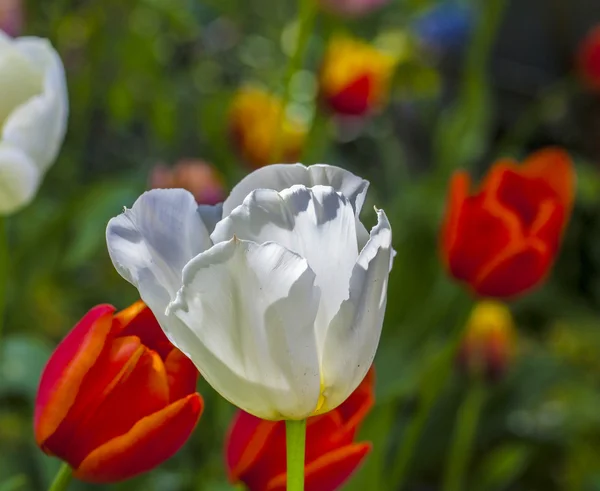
pixel 503 239
pixel 589 59
pixel 352 8
pixel 116 398
pixel 256 454
pixel 355 76
pixel 198 177
pixel 11 17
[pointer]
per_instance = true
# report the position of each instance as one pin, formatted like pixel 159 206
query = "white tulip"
pixel 279 299
pixel 33 116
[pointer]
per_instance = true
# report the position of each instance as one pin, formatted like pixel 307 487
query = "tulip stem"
pixel 3 271
pixel 465 429
pixel 307 12
pixel 295 436
pixel 62 479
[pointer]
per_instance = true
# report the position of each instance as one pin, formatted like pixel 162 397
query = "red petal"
pixel 354 99
pixel 459 190
pixel 248 439
pixel 589 59
pixel 66 369
pixel 150 442
pixel 329 472
pixel 182 375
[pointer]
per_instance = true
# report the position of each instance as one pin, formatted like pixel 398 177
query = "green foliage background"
pixel 150 81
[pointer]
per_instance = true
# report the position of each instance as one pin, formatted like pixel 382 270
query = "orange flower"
pixel 260 132
pixel 116 398
pixel 355 76
pixel 255 448
pixel 198 177
pixel 503 239
pixel 589 59
pixel 489 342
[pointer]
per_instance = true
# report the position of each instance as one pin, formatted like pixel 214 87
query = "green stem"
pixel 295 436
pixel 464 436
pixel 62 479
pixel 3 271
pixel 306 18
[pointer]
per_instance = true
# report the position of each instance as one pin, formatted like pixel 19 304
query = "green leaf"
pixel 502 467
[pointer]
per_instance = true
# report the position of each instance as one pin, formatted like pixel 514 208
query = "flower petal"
pixel 66 369
pixel 316 223
pixel 150 442
pixel 283 176
pixel 353 335
pixel 252 309
pixel 19 179
pixel 330 471
pixel 38 126
pixel 151 243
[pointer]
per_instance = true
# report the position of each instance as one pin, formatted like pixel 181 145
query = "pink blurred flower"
pixel 11 17
pixel 352 8
pixel 198 177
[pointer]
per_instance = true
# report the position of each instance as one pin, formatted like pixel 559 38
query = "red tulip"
pixel 116 398
pixel 256 454
pixel 589 59
pixel 503 239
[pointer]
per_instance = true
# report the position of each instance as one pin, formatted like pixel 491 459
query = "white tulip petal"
pixel 38 125
pixel 354 332
pixel 151 243
pixel 316 223
pixel 283 176
pixel 211 214
pixel 19 179
pixel 253 307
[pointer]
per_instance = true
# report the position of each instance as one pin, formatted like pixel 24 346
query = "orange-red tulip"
pixel 589 59
pixel 355 76
pixel 256 454
pixel 116 398
pixel 503 239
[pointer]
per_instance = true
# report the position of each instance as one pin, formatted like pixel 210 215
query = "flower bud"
pixel 489 342
pixel 116 398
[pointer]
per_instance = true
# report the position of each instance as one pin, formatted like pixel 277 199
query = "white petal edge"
pixel 19 179
pixel 38 126
pixel 252 309
pixel 316 223
pixel 151 243
pixel 283 176
pixel 353 336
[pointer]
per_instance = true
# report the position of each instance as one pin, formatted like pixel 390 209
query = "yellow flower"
pixel 260 133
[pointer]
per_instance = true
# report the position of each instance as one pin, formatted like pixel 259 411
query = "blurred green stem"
pixel 295 436
pixel 62 479
pixel 465 430
pixel 3 271
pixel 307 12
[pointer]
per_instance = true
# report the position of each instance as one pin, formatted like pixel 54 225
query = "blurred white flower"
pixel 279 299
pixel 33 116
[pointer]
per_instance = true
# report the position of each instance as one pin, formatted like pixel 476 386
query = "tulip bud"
pixel 589 59
pixel 355 76
pixel 11 17
pixel 502 239
pixel 352 8
pixel 259 131
pixel 116 399
pixel 33 116
pixel 489 342
pixel 198 177
pixel 255 448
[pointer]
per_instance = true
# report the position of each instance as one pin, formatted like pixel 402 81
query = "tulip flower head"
pixel 254 121
pixel 502 239
pixel 198 177
pixel 355 76
pixel 33 116
pixel 488 346
pixel 352 8
pixel 277 296
pixel 255 448
pixel 116 398
pixel 589 59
